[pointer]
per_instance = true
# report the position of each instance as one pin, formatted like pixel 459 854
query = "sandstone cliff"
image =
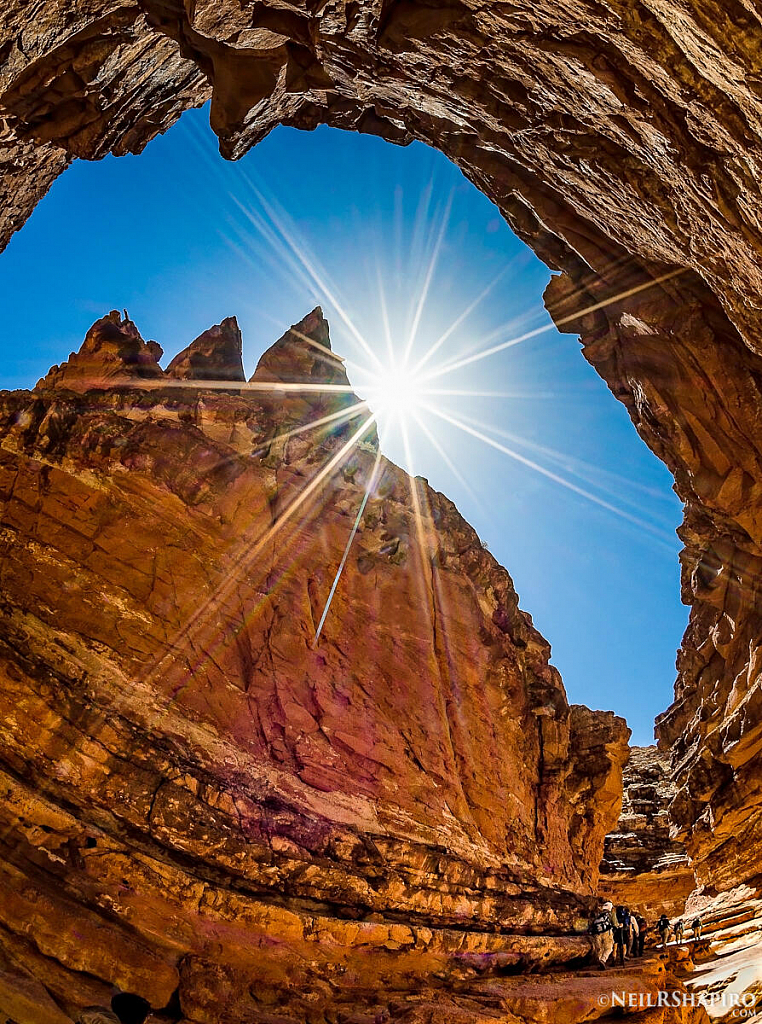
pixel 642 866
pixel 201 804
pixel 621 140
pixel 728 959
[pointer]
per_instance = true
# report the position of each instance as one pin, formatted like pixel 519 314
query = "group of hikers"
pixel 666 929
pixel 611 927
pixel 618 928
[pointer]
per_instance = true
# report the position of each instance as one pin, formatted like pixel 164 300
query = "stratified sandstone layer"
pixel 621 140
pixel 27 170
pixel 642 866
pixel 200 803
pixel 723 967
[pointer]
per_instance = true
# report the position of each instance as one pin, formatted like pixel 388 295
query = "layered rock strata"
pixel 694 390
pixel 621 140
pixel 642 866
pixel 726 969
pixel 200 802
pixel 646 868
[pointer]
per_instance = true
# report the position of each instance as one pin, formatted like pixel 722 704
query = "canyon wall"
pixel 643 867
pixel 693 390
pixel 620 139
pixel 202 803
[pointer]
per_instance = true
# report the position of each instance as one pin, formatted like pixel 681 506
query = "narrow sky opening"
pixel 416 272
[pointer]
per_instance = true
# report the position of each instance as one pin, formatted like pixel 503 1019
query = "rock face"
pixel 729 955
pixel 659 361
pixel 27 170
pixel 214 355
pixel 202 804
pixel 643 867
pixel 81 79
pixel 622 141
pixel 112 353
pixel 315 380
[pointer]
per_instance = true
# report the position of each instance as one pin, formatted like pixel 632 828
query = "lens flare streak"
pixel 242 566
pixel 368 491
pixel 555 477
pixel 557 324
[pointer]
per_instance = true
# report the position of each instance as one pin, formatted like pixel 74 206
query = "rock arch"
pixel 621 139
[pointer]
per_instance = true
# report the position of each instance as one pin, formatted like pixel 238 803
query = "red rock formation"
pixel 723 968
pixel 643 867
pixel 112 353
pixel 620 140
pixel 27 170
pixel 304 356
pixel 694 394
pixel 214 355
pixel 200 803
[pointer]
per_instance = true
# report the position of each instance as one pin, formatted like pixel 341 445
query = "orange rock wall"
pixel 201 804
pixel 621 140
pixel 643 867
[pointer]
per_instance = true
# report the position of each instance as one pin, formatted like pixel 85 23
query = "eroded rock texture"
pixel 81 79
pixel 728 958
pixel 643 867
pixel 201 804
pixel 620 139
pixel 214 355
pixel 27 170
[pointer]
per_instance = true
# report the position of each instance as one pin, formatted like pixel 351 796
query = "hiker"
pixel 642 927
pixel 697 925
pixel 601 933
pixel 126 1008
pixel 634 935
pixel 679 931
pixel 622 934
pixel 664 929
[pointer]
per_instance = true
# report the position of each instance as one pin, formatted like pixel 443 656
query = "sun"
pixel 402 384
pixel 396 393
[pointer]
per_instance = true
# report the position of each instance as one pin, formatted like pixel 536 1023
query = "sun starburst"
pixel 402 380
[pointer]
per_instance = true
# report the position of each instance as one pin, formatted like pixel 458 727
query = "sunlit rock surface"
pixel 643 867
pixel 201 804
pixel 621 140
pixel 112 352
pixel 647 869
pixel 724 968
pixel 694 392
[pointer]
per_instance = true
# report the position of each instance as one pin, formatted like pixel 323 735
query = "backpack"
pixel 624 918
pixel 696 923
pixel 601 923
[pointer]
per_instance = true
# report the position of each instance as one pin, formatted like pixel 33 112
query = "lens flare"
pixel 396 393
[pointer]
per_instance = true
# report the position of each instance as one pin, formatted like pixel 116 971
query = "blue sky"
pixel 182 239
